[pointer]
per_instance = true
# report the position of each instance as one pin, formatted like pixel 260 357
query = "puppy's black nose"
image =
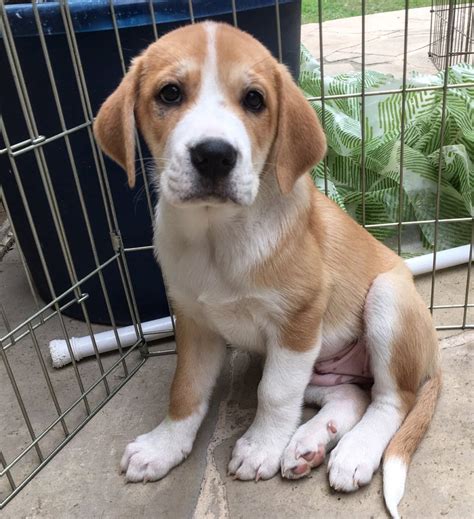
pixel 213 158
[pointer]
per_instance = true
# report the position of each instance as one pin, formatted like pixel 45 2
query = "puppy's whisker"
pixel 150 161
pixel 138 195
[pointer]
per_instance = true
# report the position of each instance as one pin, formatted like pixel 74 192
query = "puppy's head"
pixel 217 112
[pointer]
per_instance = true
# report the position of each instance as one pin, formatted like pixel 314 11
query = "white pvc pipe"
pixel 444 259
pixel 106 341
pixel 159 328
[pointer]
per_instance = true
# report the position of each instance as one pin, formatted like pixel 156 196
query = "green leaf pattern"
pixel 341 173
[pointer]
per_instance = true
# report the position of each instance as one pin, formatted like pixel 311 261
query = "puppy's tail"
pixel 403 445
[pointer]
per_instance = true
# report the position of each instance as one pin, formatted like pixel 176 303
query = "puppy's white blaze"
pixel 394 477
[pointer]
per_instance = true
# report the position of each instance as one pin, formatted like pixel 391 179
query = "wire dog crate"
pixel 71 397
pixel 457 18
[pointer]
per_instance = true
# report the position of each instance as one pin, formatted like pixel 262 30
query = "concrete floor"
pixel 83 480
pixel 384 43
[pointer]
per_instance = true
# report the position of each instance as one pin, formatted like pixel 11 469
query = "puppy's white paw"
pixel 151 456
pixel 255 458
pixel 351 464
pixel 307 448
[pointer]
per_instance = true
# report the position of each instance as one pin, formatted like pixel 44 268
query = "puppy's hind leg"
pixel 402 344
pixel 200 354
pixel 341 409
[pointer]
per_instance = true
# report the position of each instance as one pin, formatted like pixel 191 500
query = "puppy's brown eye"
pixel 170 94
pixel 253 101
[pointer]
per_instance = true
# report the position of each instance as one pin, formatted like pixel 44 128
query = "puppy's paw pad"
pixel 307 448
pixel 331 427
pixel 316 457
pixel 295 469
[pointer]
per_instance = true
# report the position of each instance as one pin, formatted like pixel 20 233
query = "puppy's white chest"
pixel 208 295
pixel 239 322
pixel 238 316
pixel 207 266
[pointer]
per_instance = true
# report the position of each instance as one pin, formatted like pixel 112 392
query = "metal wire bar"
pixel 463 305
pixel 153 19
pixel 234 14
pixel 7 472
pixel 470 21
pixel 455 327
pixel 453 54
pixel 21 144
pixel 42 140
pixel 468 281
pixel 191 11
pixel 145 350
pixel 391 91
pixel 47 378
pixel 431 27
pixel 362 116
pixel 137 140
pixel 6 322
pixel 123 265
pixel 131 301
pixel 278 28
pixel 323 96
pixel 71 407
pixel 139 249
pixel 71 435
pixel 418 222
pixel 454 34
pixel 161 353
pixel 461 35
pixel 441 159
pixel 402 130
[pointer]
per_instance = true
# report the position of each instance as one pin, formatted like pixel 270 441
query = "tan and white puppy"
pixel 255 256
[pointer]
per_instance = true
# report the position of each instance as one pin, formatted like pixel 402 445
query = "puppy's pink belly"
pixel 350 366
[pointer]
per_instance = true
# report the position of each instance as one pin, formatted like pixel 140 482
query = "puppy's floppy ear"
pixel 300 142
pixel 114 126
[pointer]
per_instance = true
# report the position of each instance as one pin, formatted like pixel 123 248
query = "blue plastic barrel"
pixel 96 40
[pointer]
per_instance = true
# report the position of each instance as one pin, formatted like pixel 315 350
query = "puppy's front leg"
pixel 280 397
pixel 200 353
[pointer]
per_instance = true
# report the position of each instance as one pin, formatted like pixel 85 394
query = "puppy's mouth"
pixel 211 198
pixel 207 201
pixel 215 196
pixel 192 190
